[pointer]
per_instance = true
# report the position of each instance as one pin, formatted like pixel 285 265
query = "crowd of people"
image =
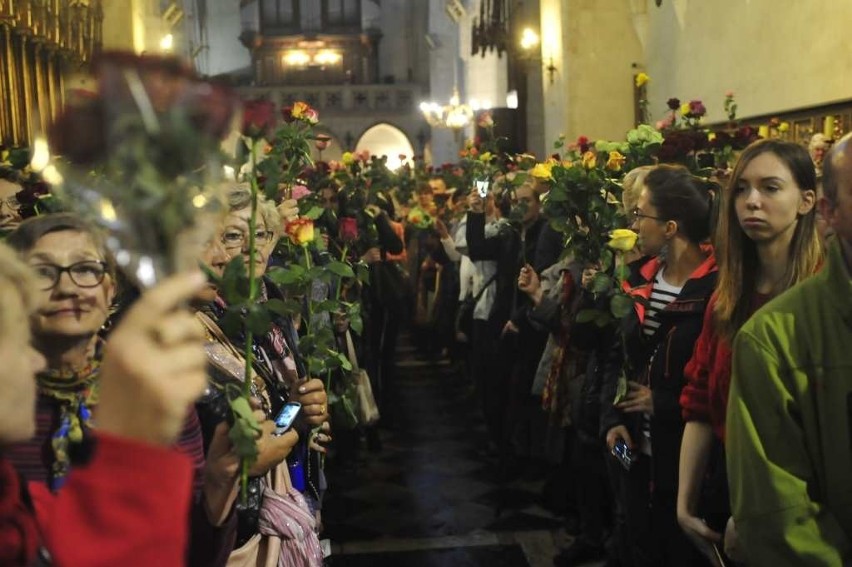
pixel 708 426
pixel 736 399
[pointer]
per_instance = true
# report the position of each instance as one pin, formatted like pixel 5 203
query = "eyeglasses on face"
pixel 637 214
pixel 85 274
pixel 11 202
pixel 237 238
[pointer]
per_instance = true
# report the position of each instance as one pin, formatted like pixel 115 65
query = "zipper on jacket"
pixel 667 373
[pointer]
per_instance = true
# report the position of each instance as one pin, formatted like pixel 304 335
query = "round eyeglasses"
pixel 237 238
pixel 84 274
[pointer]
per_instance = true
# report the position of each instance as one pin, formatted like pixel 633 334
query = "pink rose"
pixel 299 191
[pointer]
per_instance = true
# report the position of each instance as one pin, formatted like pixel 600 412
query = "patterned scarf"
pixel 74 395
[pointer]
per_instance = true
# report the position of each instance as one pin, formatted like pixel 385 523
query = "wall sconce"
pixel 302 58
pixel 530 40
pixel 327 57
pixel 296 58
pixel 167 42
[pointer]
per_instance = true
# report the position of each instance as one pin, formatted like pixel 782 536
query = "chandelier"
pixel 454 115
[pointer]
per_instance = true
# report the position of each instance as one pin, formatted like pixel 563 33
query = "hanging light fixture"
pixel 453 115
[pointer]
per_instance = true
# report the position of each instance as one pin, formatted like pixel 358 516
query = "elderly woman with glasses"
pixel 74 289
pixel 128 505
pixel 275 525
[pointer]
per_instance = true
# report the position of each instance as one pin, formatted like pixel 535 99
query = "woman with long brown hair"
pixel 766 243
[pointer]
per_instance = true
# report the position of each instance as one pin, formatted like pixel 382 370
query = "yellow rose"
pixel 567 163
pixel 615 161
pixel 486 157
pixel 783 127
pixel 684 108
pixel 641 79
pixel 590 160
pixel 300 231
pixel 622 239
pixel 299 109
pixel 347 158
pixel 543 170
pixel 711 136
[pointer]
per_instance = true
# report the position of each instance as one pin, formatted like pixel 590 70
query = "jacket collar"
pixel 838 282
pixel 699 286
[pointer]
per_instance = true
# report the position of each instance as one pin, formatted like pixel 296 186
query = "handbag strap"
pixel 481 291
pixel 350 352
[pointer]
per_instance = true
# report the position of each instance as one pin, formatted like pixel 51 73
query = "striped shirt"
pixel 662 294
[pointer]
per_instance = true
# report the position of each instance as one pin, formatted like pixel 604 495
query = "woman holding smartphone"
pixel 767 243
pixel 277 521
pixel 676 278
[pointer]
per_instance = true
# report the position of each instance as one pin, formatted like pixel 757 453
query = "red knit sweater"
pixel 708 374
pixel 127 507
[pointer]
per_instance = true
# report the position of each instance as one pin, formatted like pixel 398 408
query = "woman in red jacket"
pixel 767 242
pixel 127 502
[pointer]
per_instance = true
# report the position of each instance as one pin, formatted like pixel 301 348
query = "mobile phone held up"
pixel 623 453
pixel 284 419
pixel 482 187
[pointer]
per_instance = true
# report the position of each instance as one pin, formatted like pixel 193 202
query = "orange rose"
pixel 300 231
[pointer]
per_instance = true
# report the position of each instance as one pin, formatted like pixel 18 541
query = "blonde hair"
pixel 16 285
pixel 632 185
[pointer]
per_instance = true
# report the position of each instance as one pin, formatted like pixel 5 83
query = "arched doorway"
pixel 386 140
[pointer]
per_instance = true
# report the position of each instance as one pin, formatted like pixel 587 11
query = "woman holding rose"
pixel 75 289
pixel 128 504
pixel 674 281
pixel 280 490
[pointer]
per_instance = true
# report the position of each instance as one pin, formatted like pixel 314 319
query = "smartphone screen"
pixel 482 187
pixel 286 416
pixel 623 453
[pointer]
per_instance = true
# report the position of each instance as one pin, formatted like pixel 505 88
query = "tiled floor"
pixel 431 496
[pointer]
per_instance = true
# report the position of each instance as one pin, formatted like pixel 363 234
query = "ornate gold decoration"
pixel 40 40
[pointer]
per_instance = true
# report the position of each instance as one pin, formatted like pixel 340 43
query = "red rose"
pixel 348 229
pixel 258 117
pixel 287 114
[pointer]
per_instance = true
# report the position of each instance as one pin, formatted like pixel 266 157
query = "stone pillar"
pixel 443 63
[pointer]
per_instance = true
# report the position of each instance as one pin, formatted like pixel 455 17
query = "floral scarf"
pixel 75 396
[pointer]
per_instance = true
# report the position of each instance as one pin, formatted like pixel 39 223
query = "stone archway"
pixel 386 140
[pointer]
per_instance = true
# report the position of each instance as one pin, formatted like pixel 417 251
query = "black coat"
pixel 657 361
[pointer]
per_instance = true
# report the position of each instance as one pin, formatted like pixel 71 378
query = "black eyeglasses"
pixel 637 214
pixel 85 274
pixel 237 238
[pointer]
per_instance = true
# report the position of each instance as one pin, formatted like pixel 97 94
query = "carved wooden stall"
pixel 40 42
